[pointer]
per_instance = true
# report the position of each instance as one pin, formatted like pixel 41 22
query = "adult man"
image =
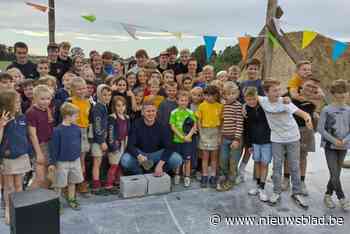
pixel 141 59
pixel 27 67
pixel 149 141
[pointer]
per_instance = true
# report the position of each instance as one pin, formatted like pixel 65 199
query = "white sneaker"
pixel 253 192
pixel 285 184
pixel 187 182
pixel 263 196
pixel 299 199
pixel 177 179
pixel 275 197
pixel 328 201
pixel 304 190
pixel 345 204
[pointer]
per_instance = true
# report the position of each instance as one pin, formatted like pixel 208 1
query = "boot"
pixel 111 176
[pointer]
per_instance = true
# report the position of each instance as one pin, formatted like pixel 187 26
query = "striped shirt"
pixel 232 125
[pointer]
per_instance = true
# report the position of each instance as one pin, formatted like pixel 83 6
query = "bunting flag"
pixel 244 43
pixel 178 35
pixel 91 18
pixel 130 29
pixel 38 7
pixel 339 49
pixel 273 40
pixel 308 37
pixel 277 23
pixel 209 45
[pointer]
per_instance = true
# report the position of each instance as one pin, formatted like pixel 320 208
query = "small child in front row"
pixel 118 128
pixel 258 136
pixel 334 127
pixel 183 124
pixel 15 147
pixel 231 136
pixel 209 121
pixel 65 148
pixel 99 119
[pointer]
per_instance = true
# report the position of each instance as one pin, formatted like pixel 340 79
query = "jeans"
pixel 335 159
pixel 229 159
pixel 130 164
pixel 292 150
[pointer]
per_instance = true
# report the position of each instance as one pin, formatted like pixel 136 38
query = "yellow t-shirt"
pixel 156 100
pixel 84 111
pixel 295 83
pixel 209 114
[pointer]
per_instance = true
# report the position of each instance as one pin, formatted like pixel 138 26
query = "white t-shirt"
pixel 284 128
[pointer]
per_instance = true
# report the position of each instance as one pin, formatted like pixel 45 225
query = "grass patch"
pixel 4 64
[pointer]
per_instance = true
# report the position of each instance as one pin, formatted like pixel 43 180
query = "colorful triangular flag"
pixel 244 46
pixel 273 39
pixel 178 35
pixel 339 49
pixel 91 18
pixel 38 7
pixel 209 45
pixel 130 29
pixel 308 37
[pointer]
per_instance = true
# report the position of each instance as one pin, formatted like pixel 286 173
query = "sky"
pixel 227 19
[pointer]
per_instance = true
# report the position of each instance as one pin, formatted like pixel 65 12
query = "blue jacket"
pixel 99 120
pixel 113 133
pixel 15 141
pixel 65 144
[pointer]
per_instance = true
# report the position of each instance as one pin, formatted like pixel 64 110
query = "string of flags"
pixel 338 49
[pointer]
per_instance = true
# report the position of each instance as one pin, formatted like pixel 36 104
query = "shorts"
pixel 68 173
pixel 262 153
pixel 85 145
pixel 307 141
pixel 17 166
pixel 209 139
pixel 114 157
pixel 96 150
pixel 185 150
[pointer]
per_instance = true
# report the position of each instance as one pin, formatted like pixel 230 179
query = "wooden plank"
pixel 285 43
pixel 52 24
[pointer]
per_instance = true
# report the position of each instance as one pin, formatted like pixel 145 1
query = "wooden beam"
pixel 52 24
pixel 268 48
pixel 285 43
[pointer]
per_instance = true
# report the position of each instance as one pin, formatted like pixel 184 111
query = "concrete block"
pixel 157 185
pixel 133 186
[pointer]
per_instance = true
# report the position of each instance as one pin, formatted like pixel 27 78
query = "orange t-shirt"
pixel 84 111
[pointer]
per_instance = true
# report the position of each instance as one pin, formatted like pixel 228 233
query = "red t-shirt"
pixel 40 120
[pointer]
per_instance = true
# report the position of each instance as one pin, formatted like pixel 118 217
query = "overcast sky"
pixel 227 19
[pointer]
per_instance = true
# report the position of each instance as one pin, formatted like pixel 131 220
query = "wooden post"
pixel 268 49
pixel 51 21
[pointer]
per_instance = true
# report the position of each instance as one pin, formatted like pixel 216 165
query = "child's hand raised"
pixel 4 119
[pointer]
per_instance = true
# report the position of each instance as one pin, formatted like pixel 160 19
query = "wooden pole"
pixel 268 48
pixel 52 21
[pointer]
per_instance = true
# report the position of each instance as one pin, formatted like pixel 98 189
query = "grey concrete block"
pixel 133 186
pixel 157 185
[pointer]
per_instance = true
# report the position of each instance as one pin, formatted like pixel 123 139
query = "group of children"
pixel 52 124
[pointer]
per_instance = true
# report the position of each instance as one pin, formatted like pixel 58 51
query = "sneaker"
pixel 285 184
pixel 187 182
pixel 212 181
pixel 263 196
pixel 238 180
pixel 345 204
pixel 299 199
pixel 328 201
pixel 253 192
pixel 275 197
pixel 204 182
pixel 177 179
pixel 304 190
